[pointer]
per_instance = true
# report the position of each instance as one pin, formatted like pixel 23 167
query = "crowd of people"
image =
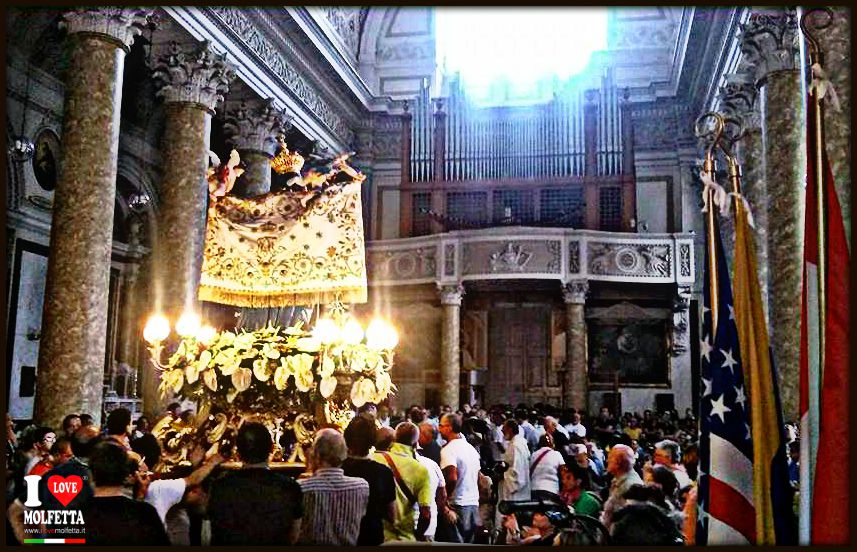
pixel 415 475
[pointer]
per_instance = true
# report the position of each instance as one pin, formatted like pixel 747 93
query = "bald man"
pixel 620 464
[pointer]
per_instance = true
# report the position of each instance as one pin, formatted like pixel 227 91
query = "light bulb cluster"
pixel 379 335
pixel 189 325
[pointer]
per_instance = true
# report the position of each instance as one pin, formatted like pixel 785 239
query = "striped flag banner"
pixel 824 389
pixel 726 512
pixel 773 495
pixel 54 541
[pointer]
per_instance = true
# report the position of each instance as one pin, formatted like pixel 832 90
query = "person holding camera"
pixel 540 532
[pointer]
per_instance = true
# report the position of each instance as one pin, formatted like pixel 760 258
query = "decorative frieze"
pixel 195 75
pixel 120 24
pixel 630 259
pixel 527 253
pixel 272 57
pixel 411 264
pixel 346 22
pixel 254 125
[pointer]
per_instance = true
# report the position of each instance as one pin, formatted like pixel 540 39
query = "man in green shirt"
pixel 413 487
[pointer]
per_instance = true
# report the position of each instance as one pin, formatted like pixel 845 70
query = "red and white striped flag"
pixel 824 386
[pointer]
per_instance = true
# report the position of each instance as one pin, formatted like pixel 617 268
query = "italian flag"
pixel 824 378
pixel 54 541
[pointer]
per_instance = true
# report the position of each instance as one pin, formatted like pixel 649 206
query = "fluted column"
pixel 74 327
pixel 769 44
pixel 192 81
pixel 450 344
pixel 252 129
pixel 574 295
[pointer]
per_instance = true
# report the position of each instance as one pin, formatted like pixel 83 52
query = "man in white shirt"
pixel 575 427
pixel 515 484
pixel 436 482
pixel 459 462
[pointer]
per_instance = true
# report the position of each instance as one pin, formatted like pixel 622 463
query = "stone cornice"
pixel 277 60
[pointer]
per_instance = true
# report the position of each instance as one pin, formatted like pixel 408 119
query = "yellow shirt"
pixel 416 477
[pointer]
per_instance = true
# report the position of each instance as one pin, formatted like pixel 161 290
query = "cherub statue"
pixel 221 178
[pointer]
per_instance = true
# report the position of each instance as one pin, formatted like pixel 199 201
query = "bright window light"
pixel 509 55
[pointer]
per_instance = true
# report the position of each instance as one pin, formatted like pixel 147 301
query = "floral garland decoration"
pixel 273 370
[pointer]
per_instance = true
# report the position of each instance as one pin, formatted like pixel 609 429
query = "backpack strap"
pixel 398 477
pixel 536 463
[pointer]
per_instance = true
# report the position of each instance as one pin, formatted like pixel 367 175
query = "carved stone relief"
pixel 449 260
pixel 634 260
pixel 346 21
pixel 412 264
pixel 574 257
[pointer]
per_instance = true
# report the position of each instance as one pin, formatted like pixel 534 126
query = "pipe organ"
pixel 567 162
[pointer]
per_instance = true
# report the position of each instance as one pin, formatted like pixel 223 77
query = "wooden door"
pixel 519 356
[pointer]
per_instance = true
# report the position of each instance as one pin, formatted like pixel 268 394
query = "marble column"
pixel 252 129
pixel 192 81
pixel 74 327
pixel 835 43
pixel 574 295
pixel 739 101
pixel 769 44
pixel 129 322
pixel 450 344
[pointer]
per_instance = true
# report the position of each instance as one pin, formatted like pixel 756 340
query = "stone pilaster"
pixel 74 327
pixel 574 295
pixel 450 344
pixel 769 45
pixel 192 80
pixel 251 129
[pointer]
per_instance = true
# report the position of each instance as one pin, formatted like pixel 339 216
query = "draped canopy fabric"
pixel 285 248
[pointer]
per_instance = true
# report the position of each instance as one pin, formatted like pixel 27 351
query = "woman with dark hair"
pixel 575 490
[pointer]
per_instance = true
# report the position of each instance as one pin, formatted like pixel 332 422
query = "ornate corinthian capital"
pixel 768 42
pixel 451 294
pixel 253 125
pixel 193 75
pixel 121 24
pixel 738 99
pixel 575 292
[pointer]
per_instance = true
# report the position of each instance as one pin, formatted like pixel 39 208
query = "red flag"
pixel 824 403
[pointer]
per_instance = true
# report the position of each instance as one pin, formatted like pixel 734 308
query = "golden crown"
pixel 286 161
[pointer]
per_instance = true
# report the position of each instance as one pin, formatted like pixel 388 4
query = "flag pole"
pixel 816 58
pixel 708 167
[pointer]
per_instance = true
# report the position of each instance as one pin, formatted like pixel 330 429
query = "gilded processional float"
pixel 298 246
